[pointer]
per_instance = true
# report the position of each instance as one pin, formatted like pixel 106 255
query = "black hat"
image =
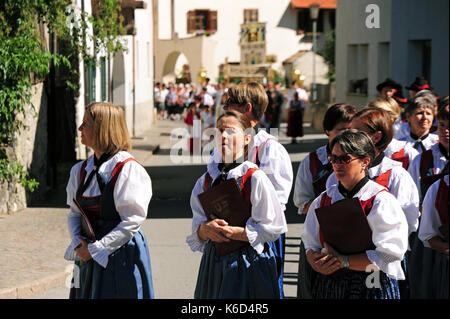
pixel 419 84
pixel 390 83
pixel 398 96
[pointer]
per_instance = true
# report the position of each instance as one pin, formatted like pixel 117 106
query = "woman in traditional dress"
pixel 351 154
pixel 112 192
pixel 248 270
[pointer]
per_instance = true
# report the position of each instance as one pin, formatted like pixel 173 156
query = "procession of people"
pixel 375 196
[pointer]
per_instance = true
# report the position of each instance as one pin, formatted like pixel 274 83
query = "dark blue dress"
pixel 128 272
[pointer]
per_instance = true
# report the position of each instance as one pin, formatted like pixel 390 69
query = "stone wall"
pixel 30 150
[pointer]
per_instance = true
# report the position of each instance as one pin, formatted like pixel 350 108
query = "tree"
pixel 328 54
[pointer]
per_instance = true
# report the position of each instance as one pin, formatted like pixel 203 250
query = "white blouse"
pixel 430 222
pixel 400 184
pixel 439 162
pixel 274 162
pixel 397 145
pixel 386 220
pixel 428 142
pixel 304 189
pixel 132 194
pixel 267 221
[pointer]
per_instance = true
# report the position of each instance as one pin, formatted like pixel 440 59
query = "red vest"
pixel 441 202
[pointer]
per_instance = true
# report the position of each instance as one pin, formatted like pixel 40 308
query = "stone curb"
pixel 29 289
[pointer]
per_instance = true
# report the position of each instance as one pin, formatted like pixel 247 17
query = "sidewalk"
pixel 33 241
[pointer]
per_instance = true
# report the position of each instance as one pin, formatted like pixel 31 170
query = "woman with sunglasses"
pixel 387 172
pixel 351 154
pixel 312 174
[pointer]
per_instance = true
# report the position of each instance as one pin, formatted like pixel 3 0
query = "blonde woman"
pixel 113 191
pixel 397 150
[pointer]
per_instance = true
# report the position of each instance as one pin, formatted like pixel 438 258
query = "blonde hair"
pixel 110 129
pixel 388 104
pixel 251 92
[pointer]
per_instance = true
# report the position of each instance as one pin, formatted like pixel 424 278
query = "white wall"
pixel 281 35
pixel 400 22
pixel 351 29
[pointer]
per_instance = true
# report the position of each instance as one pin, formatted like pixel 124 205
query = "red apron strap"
pixel 83 171
pixel 426 162
pixel 246 184
pixel 368 204
pixel 399 154
pixel 324 201
pixel 207 182
pixel 255 155
pixel 118 169
pixel 383 179
pixel 314 164
pixel 441 202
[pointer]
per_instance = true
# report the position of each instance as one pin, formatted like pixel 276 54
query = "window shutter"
pixel 191 22
pixel 212 23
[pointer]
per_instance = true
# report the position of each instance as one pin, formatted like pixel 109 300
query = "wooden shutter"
pixel 212 23
pixel 191 22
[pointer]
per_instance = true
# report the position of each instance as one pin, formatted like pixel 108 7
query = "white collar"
pixel 236 172
pixel 385 165
pixel 366 192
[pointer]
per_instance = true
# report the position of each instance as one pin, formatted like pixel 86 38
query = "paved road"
pixel 174 266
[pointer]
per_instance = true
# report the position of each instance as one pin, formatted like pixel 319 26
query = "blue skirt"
pixel 352 285
pixel 306 275
pixel 420 269
pixel 127 275
pixel 278 250
pixel 242 274
pixel 440 276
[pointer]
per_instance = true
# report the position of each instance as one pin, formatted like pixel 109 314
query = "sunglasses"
pixel 343 159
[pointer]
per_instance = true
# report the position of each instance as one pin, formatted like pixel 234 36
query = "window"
pixel 419 59
pixel 326 18
pixel 103 77
pixel 384 64
pixel 201 21
pixel 250 15
pixel 91 75
pixel 357 68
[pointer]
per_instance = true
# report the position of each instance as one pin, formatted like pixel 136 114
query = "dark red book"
pixel 345 227
pixel 225 201
pixel 86 227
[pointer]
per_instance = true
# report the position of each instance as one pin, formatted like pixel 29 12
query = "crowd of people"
pixel 375 197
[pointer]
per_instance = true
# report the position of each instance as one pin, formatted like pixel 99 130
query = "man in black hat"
pixel 419 84
pixel 388 88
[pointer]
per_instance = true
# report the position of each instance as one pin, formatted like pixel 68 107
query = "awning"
pixel 323 4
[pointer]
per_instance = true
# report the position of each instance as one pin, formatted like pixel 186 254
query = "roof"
pixel 295 56
pixel 323 4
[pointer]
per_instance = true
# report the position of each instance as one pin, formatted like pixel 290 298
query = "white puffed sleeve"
pixel 310 234
pixel 276 164
pixel 402 186
pixel 132 194
pixel 267 221
pixel 303 189
pixel 389 235
pixel 74 217
pixel 430 222
pixel 198 217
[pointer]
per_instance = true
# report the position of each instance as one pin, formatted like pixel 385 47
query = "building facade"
pixel 207 33
pixel 400 39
